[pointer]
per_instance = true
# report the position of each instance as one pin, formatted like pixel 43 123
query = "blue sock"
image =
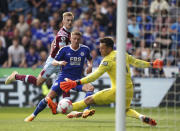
pixel 42 104
pixel 89 93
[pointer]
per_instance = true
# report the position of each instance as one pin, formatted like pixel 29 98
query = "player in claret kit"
pixel 107 96
pixel 72 59
pixel 62 38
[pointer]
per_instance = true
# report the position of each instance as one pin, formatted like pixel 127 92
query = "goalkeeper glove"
pixel 69 84
pixel 157 64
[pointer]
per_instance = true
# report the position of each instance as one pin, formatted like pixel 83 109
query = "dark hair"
pixel 108 41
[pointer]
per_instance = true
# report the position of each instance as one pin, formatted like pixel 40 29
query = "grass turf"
pixel 11 119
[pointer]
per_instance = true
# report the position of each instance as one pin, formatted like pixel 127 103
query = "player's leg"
pixel 89 89
pixel 25 78
pixel 133 113
pixel 42 104
pixel 105 96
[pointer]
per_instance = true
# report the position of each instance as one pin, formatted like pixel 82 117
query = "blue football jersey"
pixel 75 61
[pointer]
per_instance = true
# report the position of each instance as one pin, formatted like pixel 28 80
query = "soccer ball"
pixel 64 106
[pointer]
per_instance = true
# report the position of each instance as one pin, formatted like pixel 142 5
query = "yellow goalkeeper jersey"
pixel 108 64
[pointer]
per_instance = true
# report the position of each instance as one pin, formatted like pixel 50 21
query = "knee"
pixel 38 83
pixel 89 100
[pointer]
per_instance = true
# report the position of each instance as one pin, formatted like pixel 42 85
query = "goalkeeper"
pixel 107 96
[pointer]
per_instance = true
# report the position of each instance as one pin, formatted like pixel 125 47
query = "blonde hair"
pixel 68 14
pixel 76 33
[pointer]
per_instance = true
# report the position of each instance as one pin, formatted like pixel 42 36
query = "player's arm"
pixel 89 62
pixel 104 67
pixel 144 64
pixel 90 65
pixel 96 74
pixel 59 63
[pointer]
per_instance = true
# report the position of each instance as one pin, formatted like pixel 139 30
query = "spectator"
pixel 134 29
pixel 175 33
pixel 101 35
pixel 144 6
pixel 164 39
pixel 53 5
pixel 146 27
pixel 36 4
pixel 3 55
pixel 34 28
pixel 20 6
pixel 25 41
pixel 111 15
pixel 22 26
pixel 88 40
pixel 104 6
pixel 75 9
pixel 157 6
pixel 29 18
pixel 16 34
pixel 157 53
pixel 96 59
pixel 56 18
pixel 39 46
pixel 142 52
pixel 9 27
pixel 87 20
pixel 171 58
pixel 44 34
pixel 131 8
pixel 42 15
pixel 174 11
pixel 2 38
pixel 4 6
pixel 2 23
pixel 43 57
pixel 102 18
pixel 16 54
pixel 14 17
pixel 32 58
pixel 78 25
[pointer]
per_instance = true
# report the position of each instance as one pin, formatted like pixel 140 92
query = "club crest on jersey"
pixel 63 38
pixel 105 63
pixel 82 53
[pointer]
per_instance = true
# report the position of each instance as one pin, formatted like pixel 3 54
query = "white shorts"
pixel 49 69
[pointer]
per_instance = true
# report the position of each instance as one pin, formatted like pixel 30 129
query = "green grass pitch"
pixel 11 119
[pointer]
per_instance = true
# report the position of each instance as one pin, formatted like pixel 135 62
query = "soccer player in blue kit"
pixel 72 58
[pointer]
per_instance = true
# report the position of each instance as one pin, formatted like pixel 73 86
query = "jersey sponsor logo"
pixel 82 54
pixel 105 63
pixel 63 39
pixel 75 60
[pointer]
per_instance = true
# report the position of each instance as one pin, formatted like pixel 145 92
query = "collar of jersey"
pixel 66 29
pixel 76 49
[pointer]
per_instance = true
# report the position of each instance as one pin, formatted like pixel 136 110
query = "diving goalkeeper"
pixel 107 96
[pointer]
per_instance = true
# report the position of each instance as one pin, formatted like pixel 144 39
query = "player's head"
pixel 76 37
pixel 106 45
pixel 68 18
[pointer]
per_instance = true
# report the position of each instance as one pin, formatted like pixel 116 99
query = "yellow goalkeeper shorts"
pixel 107 96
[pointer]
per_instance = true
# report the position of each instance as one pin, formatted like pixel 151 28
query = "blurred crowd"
pixel 27 28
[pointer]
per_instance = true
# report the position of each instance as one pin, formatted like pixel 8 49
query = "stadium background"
pixel 151 34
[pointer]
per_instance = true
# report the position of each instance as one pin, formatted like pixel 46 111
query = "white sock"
pixel 141 117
